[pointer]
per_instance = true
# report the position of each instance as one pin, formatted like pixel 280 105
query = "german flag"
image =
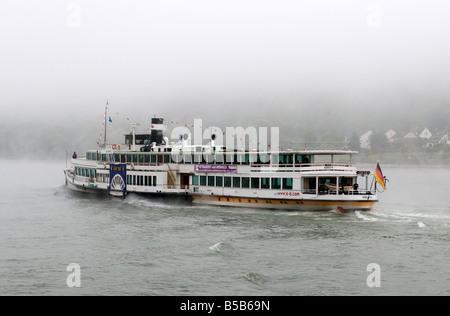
pixel 379 176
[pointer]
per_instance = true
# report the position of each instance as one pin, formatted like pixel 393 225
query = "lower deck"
pixel 199 192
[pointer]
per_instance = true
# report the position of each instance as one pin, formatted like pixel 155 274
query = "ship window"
pixel 176 158
pixel 166 158
pixel 236 182
pixel 83 172
pixel 219 159
pixel 202 180
pixel 276 183
pixel 135 158
pixel 141 158
pixel 134 180
pixel 147 159
pixel 265 183
pixel 309 185
pixel 187 159
pixel 245 183
pixel 227 182
pixel 103 157
pixel 153 158
pixel 229 159
pixel 146 181
pixel 195 180
pixel 92 173
pixel 154 181
pixel 197 158
pixel 285 159
pixel 129 158
pixel 255 183
pixel 208 158
pixel 219 181
pixel 287 184
pixel 263 158
pixel 210 181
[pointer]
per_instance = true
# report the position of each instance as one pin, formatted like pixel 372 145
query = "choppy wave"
pixel 256 278
pixel 365 217
pixel 409 216
pixel 149 202
pixel 223 247
pixel 141 202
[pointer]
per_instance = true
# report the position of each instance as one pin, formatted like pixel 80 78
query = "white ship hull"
pixel 288 180
pixel 287 205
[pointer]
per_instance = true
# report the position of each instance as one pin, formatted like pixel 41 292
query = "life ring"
pixel 114 147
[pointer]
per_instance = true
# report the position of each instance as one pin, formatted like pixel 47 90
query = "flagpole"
pixel 106 117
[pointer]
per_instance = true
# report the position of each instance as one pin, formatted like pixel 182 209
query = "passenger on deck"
pixel 75 156
pixel 306 161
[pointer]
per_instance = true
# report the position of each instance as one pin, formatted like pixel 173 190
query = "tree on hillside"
pixel 378 143
pixel 354 142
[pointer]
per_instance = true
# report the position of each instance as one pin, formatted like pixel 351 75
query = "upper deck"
pixel 153 149
pixel 281 161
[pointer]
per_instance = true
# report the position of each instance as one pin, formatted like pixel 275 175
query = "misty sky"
pixel 67 57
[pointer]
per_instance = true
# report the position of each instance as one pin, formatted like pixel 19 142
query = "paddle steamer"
pixel 145 163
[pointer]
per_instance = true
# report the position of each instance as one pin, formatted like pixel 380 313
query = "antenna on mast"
pixel 104 124
pixel 106 120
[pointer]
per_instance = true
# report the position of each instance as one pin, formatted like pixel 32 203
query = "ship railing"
pixel 133 165
pixel 309 167
pixel 340 192
pixel 181 188
pixel 166 188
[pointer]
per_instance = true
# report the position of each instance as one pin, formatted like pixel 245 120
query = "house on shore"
pixel 364 140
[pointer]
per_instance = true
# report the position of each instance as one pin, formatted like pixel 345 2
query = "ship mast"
pixel 106 120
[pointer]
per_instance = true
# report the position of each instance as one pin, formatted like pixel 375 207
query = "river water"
pixel 138 246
